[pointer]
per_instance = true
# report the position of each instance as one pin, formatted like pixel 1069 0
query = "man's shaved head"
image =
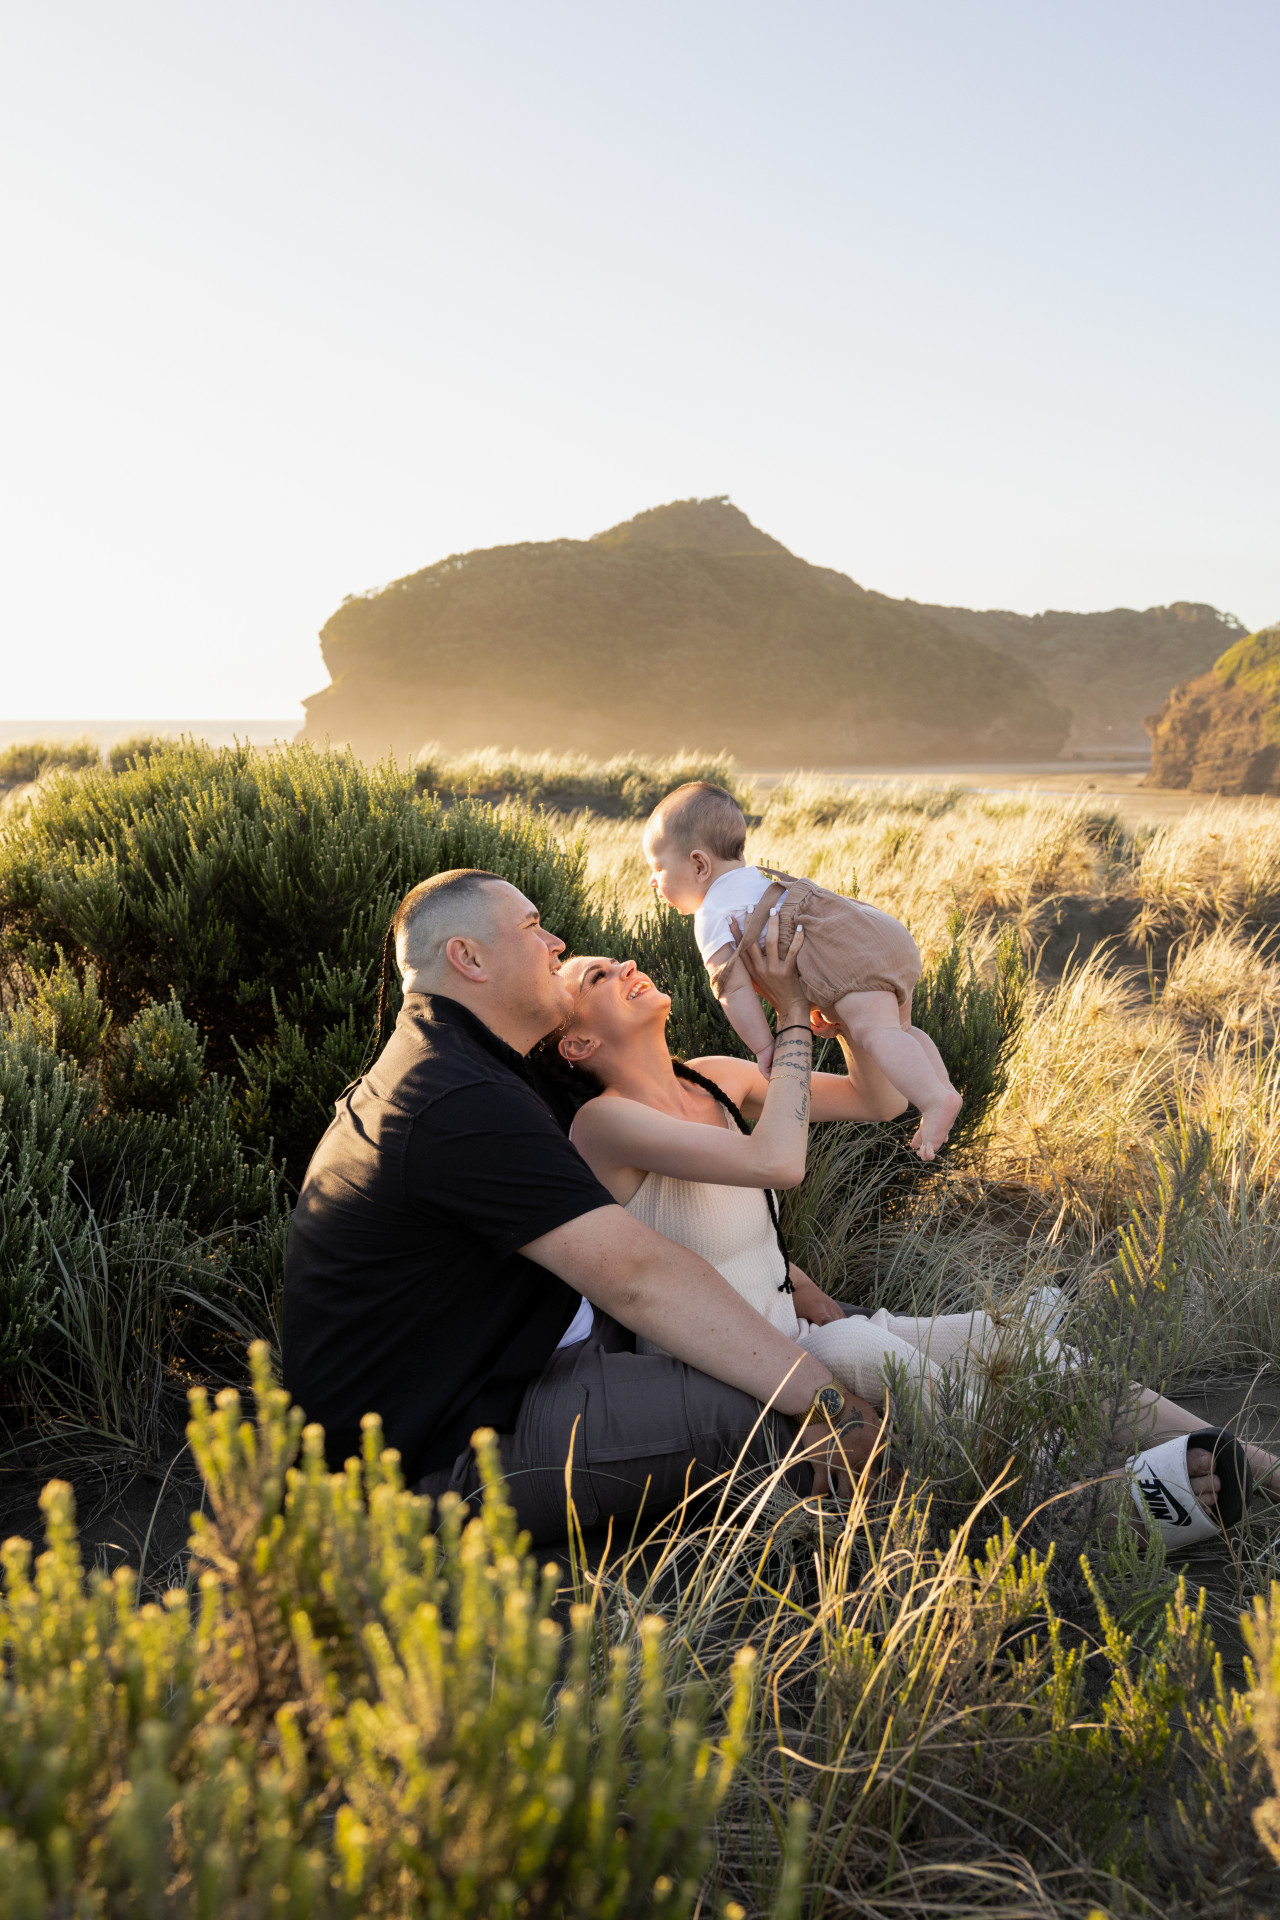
pixel 473 937
pixel 458 902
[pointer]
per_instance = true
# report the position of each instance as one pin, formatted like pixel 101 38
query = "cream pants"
pixel 856 1349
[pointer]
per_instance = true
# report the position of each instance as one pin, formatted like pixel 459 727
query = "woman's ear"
pixel 577 1048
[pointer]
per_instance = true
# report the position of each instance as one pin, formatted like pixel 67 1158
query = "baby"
pixel 857 964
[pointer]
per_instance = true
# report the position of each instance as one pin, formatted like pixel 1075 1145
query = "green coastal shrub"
pixel 362 1710
pixel 138 747
pixel 68 1013
pixel 1262 1635
pixel 157 1064
pixel 255 890
pixel 363 1707
pixel 88 1144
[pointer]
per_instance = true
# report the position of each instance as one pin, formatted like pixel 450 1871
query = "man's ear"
pixel 576 1048
pixel 464 957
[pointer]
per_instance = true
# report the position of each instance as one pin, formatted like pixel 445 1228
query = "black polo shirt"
pixel 404 1292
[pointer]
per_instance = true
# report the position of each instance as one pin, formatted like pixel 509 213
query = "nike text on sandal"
pixel 1163 1495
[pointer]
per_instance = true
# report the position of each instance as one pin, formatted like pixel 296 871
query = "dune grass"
pixel 26 760
pixel 628 787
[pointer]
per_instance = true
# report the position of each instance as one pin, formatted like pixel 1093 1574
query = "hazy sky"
pixel 977 300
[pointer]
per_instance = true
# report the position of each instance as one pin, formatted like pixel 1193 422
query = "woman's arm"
pixel 617 1136
pixel 862 1094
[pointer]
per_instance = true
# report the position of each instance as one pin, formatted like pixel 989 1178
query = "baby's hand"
pixel 764 1059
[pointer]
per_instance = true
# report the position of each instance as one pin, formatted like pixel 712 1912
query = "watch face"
pixel 828 1400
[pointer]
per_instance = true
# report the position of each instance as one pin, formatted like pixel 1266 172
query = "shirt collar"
pixel 439 1010
pixel 730 881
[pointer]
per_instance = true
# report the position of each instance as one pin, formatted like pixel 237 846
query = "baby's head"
pixel 690 839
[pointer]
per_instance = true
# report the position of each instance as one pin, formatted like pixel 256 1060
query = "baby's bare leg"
pixel 872 1021
pixel 870 1080
pixel 922 1040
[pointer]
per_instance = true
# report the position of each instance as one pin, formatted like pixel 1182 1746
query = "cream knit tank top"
pixel 730 1227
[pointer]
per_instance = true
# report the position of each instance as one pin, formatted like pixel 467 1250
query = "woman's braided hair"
pixel 385 979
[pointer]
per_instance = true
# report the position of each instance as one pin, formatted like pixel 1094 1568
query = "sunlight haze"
pixel 976 303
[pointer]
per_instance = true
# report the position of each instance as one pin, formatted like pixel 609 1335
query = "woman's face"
pixel 612 999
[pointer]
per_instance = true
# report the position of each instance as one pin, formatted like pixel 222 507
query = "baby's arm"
pixel 731 984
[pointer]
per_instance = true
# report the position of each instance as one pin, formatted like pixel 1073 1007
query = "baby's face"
pixel 672 875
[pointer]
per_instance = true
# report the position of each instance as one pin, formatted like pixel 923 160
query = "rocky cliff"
pixel 1220 732
pixel 685 626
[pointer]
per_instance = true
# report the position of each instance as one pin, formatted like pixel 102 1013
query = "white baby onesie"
pixel 731 897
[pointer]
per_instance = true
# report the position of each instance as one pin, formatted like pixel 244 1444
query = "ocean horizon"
pixel 216 733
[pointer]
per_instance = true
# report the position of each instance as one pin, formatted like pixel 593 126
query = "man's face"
pixel 522 960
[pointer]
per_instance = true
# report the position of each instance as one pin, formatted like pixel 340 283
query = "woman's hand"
pixel 811 1303
pixel 776 980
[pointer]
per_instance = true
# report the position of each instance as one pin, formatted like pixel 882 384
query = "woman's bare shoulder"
pixel 602 1116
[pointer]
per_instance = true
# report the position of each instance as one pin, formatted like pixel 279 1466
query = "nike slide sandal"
pixel 1162 1492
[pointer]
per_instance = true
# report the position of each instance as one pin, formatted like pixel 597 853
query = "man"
pixel 454 1264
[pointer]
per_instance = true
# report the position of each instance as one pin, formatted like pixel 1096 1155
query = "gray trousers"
pixel 648 1427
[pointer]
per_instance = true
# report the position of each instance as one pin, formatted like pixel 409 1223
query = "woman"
pixel 665 1139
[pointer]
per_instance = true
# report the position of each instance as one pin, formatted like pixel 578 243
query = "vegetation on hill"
pixel 1108 669
pixel 1220 732
pixel 338 1703
pixel 684 622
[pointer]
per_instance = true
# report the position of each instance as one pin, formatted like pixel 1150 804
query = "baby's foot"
pixel 764 1059
pixel 936 1121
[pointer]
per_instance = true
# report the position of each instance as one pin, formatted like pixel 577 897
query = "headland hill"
pixel 1220 731
pixel 688 623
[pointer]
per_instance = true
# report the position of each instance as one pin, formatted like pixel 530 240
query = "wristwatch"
pixel 828 1403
